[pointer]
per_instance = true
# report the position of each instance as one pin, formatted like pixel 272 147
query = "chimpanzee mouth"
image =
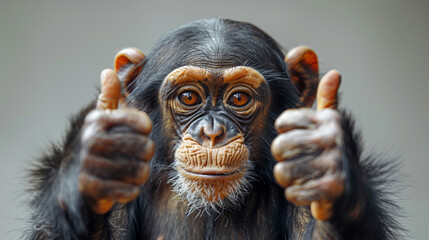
pixel 211 187
pixel 211 178
pixel 211 173
pixel 225 163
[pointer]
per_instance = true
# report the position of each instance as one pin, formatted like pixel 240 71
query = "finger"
pixel 129 144
pixel 327 188
pixel 110 90
pixel 297 171
pixel 328 90
pixel 295 118
pixel 295 143
pixel 303 169
pixel 302 143
pixel 137 120
pixel 97 188
pixel 131 172
pixel 299 197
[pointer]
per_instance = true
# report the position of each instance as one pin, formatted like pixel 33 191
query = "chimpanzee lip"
pixel 210 173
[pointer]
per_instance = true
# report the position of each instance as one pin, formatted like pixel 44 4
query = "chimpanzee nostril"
pixel 213 133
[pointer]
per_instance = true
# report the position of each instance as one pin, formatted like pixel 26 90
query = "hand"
pixel 115 150
pixel 309 151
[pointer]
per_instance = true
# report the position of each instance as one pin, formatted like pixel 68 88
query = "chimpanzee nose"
pixel 213 130
pixel 214 133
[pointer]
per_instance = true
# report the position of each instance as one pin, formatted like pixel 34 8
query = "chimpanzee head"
pixel 213 89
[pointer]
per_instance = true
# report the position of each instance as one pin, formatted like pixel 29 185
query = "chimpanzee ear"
pixel 128 64
pixel 304 72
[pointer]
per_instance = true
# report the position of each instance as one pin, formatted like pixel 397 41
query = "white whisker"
pixel 202 197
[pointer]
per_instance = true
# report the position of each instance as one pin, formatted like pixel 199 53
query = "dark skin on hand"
pixel 212 136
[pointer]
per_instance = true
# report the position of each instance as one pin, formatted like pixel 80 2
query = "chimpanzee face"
pixel 215 112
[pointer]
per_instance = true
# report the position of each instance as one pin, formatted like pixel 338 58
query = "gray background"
pixel 51 54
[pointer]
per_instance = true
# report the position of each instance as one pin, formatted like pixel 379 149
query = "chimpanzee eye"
pixel 239 99
pixel 190 98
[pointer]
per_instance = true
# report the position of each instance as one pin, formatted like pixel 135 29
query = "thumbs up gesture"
pixel 309 151
pixel 115 147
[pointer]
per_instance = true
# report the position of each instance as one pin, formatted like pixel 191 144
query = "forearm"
pixel 59 210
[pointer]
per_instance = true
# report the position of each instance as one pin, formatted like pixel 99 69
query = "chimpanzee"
pixel 213 138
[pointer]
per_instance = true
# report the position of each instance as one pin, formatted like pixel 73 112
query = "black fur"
pixel 265 213
pixel 49 185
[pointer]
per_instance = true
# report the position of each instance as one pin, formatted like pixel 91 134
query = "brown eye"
pixel 189 98
pixel 239 99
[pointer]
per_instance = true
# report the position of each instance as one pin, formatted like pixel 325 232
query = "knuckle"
pixel 88 134
pixel 296 138
pixel 291 196
pixel 303 111
pixel 142 174
pixel 291 114
pixel 84 182
pixel 281 120
pixel 329 163
pixel 292 143
pixel 88 140
pixel 335 129
pixel 276 148
pixel 282 174
pixel 141 139
pixel 145 121
pixel 142 115
pixel 94 116
pixel 324 136
pixel 329 133
pixel 303 118
pixel 97 142
pixel 148 149
pixel 81 182
pixel 329 115
pixel 136 119
pixel 86 161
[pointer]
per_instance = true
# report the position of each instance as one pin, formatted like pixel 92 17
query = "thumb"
pixel 328 90
pixel 110 90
